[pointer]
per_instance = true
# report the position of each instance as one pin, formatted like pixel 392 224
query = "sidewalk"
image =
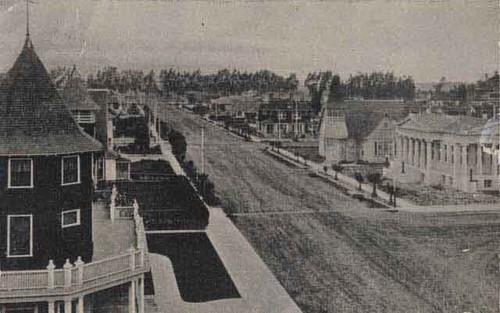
pixel 347 181
pixel 260 291
pixel 257 285
pixel 401 204
pixel 166 151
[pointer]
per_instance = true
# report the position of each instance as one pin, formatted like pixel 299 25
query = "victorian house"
pixel 57 247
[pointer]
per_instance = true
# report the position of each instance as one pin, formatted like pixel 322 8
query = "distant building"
pixel 359 130
pixel 357 136
pixel 79 102
pixel 455 151
pixel 286 118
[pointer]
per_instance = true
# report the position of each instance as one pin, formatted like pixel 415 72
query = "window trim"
pixel 78 181
pixel 78 218
pixel 31 236
pixel 9 170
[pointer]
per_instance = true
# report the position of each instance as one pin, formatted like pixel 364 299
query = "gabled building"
pixel 52 257
pixel 356 136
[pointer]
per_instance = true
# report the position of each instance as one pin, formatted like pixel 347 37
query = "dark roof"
pixel 361 124
pixel 286 104
pixel 442 123
pixel 75 93
pixel 34 118
pixel 395 109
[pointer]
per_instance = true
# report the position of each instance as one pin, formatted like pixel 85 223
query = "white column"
pixel 412 150
pixel 465 175
pixel 141 294
pixel 50 305
pixel 67 306
pixel 131 297
pixel 79 308
pixel 428 160
pixel 417 155
pixel 401 148
pixel 456 160
pixel 479 158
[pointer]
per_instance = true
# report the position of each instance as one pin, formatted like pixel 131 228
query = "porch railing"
pixel 73 277
pixel 79 276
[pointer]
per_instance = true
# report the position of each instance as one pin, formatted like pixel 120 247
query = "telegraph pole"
pixel 279 130
pixel 202 148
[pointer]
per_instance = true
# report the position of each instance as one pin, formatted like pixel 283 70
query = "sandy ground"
pixel 331 253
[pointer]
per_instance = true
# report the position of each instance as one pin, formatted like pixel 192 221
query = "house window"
pixel 487 183
pixel 70 218
pixel 70 170
pixel 375 145
pixel 122 171
pixel 20 173
pixel 19 236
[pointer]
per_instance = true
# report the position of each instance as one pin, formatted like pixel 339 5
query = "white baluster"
pixel 50 272
pixel 79 266
pixel 67 273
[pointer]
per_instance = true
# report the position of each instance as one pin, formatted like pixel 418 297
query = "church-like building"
pixel 347 136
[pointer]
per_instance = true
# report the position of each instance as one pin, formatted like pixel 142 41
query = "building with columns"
pixel 452 151
pixel 58 247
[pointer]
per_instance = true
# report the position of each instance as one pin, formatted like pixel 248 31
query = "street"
pixel 331 252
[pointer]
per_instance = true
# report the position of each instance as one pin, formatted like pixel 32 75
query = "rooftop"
pixel 358 125
pixel 442 123
pixel 75 94
pixel 34 120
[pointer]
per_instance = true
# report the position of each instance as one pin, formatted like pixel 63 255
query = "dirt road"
pixel 337 255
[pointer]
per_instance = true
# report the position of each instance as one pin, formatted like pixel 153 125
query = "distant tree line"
pixel 225 82
pixel 123 81
pixel 170 81
pixel 328 86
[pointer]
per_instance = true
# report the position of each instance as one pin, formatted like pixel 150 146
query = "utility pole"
pixel 394 166
pixel 296 120
pixel 279 130
pixel 202 148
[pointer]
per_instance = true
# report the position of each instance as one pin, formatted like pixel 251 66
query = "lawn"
pixel 200 274
pixel 437 195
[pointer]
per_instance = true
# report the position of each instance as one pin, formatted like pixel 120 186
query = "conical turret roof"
pixel 34 120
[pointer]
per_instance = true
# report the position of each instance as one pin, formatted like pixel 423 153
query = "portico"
pixel 447 151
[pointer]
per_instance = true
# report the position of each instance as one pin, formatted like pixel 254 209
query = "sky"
pixel 425 39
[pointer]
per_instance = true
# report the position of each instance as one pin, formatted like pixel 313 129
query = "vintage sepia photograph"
pixel 238 156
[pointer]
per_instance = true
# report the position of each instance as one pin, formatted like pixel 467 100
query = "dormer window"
pixel 70 173
pixel 20 173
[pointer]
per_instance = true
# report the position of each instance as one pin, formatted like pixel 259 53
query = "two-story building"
pixel 55 251
pixel 285 118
